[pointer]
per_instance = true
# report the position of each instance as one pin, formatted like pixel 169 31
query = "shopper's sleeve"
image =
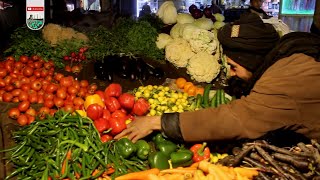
pixel 170 126
pixel 248 117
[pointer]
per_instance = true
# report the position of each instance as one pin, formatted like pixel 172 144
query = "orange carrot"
pixel 110 170
pixel 95 172
pixel 68 156
pixel 64 164
pixel 141 175
pixel 77 175
pixel 179 170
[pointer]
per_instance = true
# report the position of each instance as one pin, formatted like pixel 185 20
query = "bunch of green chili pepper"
pixel 65 146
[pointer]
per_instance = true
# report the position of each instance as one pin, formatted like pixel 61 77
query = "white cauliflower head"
pixel 203 67
pixel 201 40
pixel 178 52
pixel 198 46
pixel 163 40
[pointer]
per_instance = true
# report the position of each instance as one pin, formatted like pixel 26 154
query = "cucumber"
pixel 223 97
pixel 214 101
pixel 227 100
pixel 206 92
pixel 218 97
pixel 198 101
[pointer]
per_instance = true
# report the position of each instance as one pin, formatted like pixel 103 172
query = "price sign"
pixel 35 14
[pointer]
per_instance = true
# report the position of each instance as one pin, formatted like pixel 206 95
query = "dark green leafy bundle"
pixel 137 38
pixel 154 21
pixel 27 42
pixel 101 44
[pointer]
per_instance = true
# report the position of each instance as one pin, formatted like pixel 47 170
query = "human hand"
pixel 140 127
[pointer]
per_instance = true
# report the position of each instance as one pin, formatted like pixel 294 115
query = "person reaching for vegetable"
pixel 283 92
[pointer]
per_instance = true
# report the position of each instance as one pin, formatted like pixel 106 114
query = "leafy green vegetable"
pixel 27 42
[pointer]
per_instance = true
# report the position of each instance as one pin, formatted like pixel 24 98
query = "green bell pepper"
pixel 143 149
pixel 181 158
pixel 158 138
pixel 167 147
pixel 125 147
pixel 159 160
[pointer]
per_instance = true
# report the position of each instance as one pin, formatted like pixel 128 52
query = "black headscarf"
pixel 289 44
pixel 248 40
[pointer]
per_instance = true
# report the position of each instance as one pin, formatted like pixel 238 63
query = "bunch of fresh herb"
pixel 27 42
pixel 137 38
pixel 101 44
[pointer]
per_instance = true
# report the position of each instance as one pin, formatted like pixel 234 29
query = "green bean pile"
pixel 65 146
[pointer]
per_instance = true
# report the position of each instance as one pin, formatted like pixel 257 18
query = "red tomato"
pixel 78 101
pixel 24 59
pixel 126 100
pixel 47 65
pixel 17 84
pixel 35 58
pixel 118 114
pixel 16 92
pixel 40 99
pixel 66 81
pixel 84 83
pixel 36 85
pixel 25 80
pixel 24 106
pixel 101 124
pixel 94 111
pixel 51 88
pixel 106 137
pixel 31 119
pixel 14 113
pixel 68 108
pixel 18 65
pixel 7 97
pixel 117 125
pixel 61 93
pixel 33 97
pixel 113 90
pixel 48 96
pixel 75 69
pixel 25 87
pixel 38 64
pixel 58 102
pixel 31 112
pixel 2 83
pixel 3 72
pixel 141 107
pixel 44 111
pixel 112 104
pixel 22 120
pixel 23 96
pixel 72 90
pixel 44 73
pixel 67 68
pixel 106 114
pixel 27 71
pixel 58 76
pixel 48 103
pixel 9 88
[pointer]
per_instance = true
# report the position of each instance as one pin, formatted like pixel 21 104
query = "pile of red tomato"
pixel 111 109
pixel 31 80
